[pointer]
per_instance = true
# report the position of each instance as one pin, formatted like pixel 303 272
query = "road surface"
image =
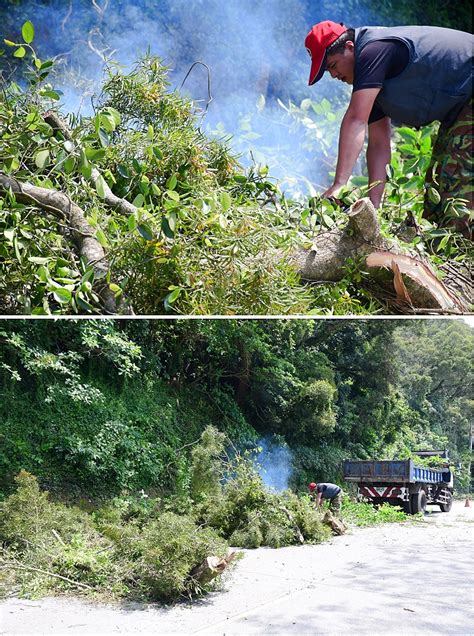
pixel 414 578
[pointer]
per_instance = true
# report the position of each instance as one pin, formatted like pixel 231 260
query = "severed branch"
pixel 430 288
pixel 412 284
pixel 18 566
pixel 62 206
pixel 116 203
pixel 326 259
pixel 337 525
pixel 211 567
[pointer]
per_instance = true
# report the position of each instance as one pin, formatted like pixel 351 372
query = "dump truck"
pixel 401 482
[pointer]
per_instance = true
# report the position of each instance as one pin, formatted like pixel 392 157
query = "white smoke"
pixel 274 463
pixel 252 47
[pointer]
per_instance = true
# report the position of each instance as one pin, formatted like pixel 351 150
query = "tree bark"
pixel 61 206
pixel 337 525
pixel 211 567
pixel 412 284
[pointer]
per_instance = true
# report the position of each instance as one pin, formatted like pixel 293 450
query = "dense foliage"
pixel 102 406
pixel 153 548
pixel 148 436
pixel 115 552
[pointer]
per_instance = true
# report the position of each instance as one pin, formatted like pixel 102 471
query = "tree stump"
pixel 337 525
pixel 211 567
pixel 405 283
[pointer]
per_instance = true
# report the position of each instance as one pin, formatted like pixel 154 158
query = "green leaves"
pixel 62 295
pixel 95 154
pixel 54 95
pixel 138 201
pixel 433 195
pixel 171 297
pixel 42 158
pixel 145 231
pixel 101 237
pixel 100 186
pixel 28 32
pixel 226 201
pixel 172 182
pixel 20 52
pixel 103 138
pixel 168 225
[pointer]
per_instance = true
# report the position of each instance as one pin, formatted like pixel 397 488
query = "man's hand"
pixel 332 192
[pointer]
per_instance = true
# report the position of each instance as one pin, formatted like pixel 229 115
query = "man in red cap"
pixel 414 75
pixel 332 492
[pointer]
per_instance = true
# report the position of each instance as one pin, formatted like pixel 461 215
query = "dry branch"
pixel 17 566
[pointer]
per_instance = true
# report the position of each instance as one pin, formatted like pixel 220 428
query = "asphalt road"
pixel 394 579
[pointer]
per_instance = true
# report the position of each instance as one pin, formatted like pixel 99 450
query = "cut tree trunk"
pixel 337 525
pixel 405 283
pixel 211 567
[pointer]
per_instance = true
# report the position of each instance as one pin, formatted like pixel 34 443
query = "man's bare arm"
pixel 352 136
pixel 378 156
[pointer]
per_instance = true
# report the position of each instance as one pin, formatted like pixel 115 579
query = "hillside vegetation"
pixel 101 406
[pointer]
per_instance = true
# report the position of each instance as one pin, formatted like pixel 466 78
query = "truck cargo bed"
pixel 391 471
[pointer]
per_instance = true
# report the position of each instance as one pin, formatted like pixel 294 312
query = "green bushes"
pixel 365 514
pixel 44 541
pixel 248 515
pixel 199 238
pixel 50 547
pixel 170 548
pixel 146 548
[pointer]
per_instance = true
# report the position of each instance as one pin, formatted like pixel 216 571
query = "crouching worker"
pixel 413 75
pixel 327 491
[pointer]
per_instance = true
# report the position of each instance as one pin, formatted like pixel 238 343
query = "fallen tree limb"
pixel 17 566
pixel 337 525
pixel 62 206
pixel 411 284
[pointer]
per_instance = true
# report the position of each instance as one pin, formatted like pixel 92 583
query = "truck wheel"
pixel 418 502
pixel 407 507
pixel 447 506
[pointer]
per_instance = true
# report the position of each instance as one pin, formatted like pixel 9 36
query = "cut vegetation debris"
pixel 134 210
pixel 157 548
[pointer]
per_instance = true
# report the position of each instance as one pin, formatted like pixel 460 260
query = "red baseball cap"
pixel 317 41
pixel 312 485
